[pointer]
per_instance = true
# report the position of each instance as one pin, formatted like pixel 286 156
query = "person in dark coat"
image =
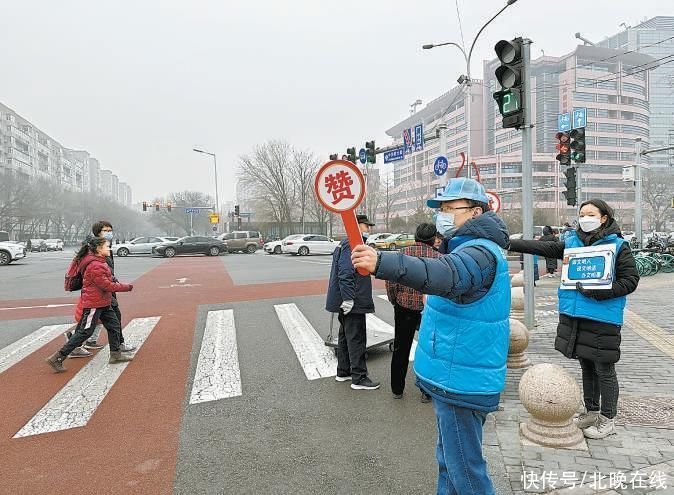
pixel 408 304
pixel 350 295
pixel 590 319
pixel 550 263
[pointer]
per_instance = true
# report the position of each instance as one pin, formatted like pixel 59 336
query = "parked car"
pixel 54 244
pixel 307 244
pixel 10 251
pixel 395 241
pixel 140 245
pixel 171 238
pixel 275 247
pixel 377 237
pixel 191 245
pixel 39 245
pixel 247 241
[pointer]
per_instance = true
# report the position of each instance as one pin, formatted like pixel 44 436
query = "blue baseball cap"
pixel 460 188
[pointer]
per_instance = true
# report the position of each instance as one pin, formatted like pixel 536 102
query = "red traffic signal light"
pixel 168 206
pixel 563 147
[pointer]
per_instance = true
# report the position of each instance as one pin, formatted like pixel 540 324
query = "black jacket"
pixel 578 337
pixel 346 284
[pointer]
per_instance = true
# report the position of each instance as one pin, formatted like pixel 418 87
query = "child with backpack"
pixel 95 302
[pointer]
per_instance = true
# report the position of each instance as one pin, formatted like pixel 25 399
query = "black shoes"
pixel 365 384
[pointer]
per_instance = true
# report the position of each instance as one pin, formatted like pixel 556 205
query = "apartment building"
pixel 30 152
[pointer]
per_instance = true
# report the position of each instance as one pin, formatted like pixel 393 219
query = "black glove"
pixel 598 295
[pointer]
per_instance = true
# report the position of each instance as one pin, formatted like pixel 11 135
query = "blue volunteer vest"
pixel 463 348
pixel 573 303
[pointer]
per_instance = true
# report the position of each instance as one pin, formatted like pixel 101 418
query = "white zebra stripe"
pixel 18 350
pixel 217 375
pixel 75 404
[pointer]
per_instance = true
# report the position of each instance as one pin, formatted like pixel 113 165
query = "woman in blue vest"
pixel 590 319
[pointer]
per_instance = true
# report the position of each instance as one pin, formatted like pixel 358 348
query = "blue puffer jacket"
pixel 346 284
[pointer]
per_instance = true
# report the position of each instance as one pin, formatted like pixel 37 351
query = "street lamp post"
pixel 465 80
pixel 215 166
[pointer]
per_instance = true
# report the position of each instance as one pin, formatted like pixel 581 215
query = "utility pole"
pixel 527 186
pixel 637 194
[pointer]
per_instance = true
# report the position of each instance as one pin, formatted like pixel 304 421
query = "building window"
pixel 604 127
pixel 584 97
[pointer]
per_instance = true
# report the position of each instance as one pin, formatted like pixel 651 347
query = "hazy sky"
pixel 140 83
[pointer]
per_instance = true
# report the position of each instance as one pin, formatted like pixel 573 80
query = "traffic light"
pixel 156 206
pixel 510 75
pixel 351 154
pixel 577 145
pixel 168 207
pixel 144 205
pixel 570 193
pixel 563 149
pixel 236 210
pixel 370 153
pixel 333 157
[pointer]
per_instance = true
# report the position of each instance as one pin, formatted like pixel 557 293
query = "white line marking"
pixel 317 359
pixel 217 375
pixel 75 404
pixel 18 350
pixel 45 306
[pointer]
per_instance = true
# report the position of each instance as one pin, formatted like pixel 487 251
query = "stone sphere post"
pixel 552 396
pixel 519 341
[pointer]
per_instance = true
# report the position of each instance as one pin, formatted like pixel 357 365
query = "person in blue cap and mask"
pixel 464 334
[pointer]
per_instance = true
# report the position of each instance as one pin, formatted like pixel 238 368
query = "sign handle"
pixel 353 233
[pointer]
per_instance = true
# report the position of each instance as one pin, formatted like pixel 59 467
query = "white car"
pixel 276 247
pixel 10 251
pixel 306 244
pixel 375 237
pixel 54 244
pixel 139 245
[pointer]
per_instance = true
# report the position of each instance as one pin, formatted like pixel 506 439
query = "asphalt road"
pixel 284 433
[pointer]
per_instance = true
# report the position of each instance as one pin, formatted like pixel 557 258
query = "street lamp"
pixel 465 80
pixel 215 166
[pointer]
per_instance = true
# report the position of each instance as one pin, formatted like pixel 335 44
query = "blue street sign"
pixel 564 122
pixel 192 211
pixel 579 118
pixel 418 137
pixel 362 156
pixel 440 166
pixel 394 155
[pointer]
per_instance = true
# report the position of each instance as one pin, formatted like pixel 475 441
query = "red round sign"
pixel 339 186
pixel 494 201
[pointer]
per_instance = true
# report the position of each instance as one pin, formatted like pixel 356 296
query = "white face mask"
pixel 444 222
pixel 589 224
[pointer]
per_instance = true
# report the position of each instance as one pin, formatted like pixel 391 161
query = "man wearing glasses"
pixel 464 334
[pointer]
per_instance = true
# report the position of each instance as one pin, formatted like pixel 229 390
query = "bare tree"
pixel 388 199
pixel 658 191
pixel 266 172
pixel 303 168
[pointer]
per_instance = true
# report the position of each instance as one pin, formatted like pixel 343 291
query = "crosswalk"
pixel 217 374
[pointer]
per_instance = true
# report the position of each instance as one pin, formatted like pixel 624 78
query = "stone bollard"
pixel 551 395
pixel 517 303
pixel 519 341
pixel 517 280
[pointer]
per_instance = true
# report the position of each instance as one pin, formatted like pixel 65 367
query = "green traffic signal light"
pixel 370 151
pixel 577 145
pixel 351 154
pixel 510 75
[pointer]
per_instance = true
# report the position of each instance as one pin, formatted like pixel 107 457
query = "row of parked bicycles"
pixel 656 256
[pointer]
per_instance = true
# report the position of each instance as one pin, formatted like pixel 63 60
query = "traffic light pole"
pixel 527 186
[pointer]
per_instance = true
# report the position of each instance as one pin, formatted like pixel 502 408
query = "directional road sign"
pixel 579 118
pixel 440 166
pixel 192 211
pixel 362 156
pixel 394 155
pixel 564 122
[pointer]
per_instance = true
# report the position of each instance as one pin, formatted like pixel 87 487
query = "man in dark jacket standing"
pixel 350 295
pixel 461 354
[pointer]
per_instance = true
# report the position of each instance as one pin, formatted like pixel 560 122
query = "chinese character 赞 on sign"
pixel 339 185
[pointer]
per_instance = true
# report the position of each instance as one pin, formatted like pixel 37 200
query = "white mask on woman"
pixel 589 224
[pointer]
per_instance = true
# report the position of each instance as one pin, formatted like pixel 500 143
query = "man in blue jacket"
pixel 464 335
pixel 350 295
